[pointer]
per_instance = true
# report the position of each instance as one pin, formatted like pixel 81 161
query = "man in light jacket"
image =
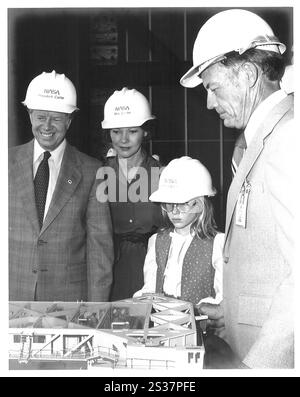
pixel 239 61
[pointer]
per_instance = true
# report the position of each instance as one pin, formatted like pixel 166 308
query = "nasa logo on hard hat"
pixel 126 108
pixel 182 180
pixel 53 92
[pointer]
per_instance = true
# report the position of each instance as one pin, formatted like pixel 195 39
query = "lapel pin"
pixel 69 182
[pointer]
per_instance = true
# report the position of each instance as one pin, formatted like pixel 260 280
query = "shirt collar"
pixel 179 237
pixel 260 113
pixel 56 154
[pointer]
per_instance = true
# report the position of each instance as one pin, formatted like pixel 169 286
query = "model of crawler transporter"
pixel 150 332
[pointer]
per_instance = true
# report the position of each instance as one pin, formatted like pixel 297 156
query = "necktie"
pixel 238 152
pixel 41 182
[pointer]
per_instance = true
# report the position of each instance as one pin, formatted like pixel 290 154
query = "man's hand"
pixel 218 354
pixel 215 314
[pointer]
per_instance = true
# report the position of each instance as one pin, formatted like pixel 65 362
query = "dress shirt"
pixel 129 174
pixel 172 275
pixel 287 81
pixel 260 113
pixel 54 167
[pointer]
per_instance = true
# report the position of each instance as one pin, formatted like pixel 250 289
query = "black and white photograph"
pixel 149 166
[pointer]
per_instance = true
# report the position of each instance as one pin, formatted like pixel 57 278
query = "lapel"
pixel 251 155
pixel 22 176
pixel 68 180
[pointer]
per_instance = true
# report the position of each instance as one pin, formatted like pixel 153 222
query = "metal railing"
pixel 149 363
pixel 99 351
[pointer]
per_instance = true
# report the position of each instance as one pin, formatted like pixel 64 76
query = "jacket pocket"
pixel 77 273
pixel 253 309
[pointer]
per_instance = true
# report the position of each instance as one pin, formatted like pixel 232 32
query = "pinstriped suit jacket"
pixel 258 269
pixel 71 257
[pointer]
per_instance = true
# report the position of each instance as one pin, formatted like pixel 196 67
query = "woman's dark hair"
pixel 150 127
pixel 271 63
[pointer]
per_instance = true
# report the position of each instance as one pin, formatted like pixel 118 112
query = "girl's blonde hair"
pixel 204 225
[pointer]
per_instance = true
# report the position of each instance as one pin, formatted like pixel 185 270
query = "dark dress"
pixel 133 224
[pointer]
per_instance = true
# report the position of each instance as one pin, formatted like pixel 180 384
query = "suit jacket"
pixel 258 269
pixel 71 257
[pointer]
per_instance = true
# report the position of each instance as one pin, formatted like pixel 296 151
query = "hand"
pixel 218 353
pixel 214 312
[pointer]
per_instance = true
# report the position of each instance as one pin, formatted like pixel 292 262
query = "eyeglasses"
pixel 182 207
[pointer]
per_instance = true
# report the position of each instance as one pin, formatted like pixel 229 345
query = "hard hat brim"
pixel 191 78
pixel 121 124
pixel 161 196
pixel 176 196
pixel 60 109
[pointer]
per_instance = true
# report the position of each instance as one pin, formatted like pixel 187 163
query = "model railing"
pixel 149 363
pixel 103 352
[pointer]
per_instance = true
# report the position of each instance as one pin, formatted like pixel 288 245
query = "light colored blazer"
pixel 71 257
pixel 258 269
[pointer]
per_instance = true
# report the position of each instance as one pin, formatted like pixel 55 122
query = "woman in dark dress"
pixel 133 175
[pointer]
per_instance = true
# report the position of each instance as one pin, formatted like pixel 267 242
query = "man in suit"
pixel 60 235
pixel 239 61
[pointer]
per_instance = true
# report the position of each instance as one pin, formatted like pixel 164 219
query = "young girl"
pixel 184 260
pixel 127 120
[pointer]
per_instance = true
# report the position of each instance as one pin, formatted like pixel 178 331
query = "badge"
pixel 241 206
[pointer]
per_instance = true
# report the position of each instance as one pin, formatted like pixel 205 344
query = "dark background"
pixel 104 49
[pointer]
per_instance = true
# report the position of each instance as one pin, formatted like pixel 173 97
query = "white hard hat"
pixel 126 108
pixel 51 91
pixel 182 180
pixel 230 30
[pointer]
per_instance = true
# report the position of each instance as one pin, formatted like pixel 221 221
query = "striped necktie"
pixel 238 152
pixel 41 182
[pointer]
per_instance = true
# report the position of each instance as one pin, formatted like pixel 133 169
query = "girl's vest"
pixel 197 277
